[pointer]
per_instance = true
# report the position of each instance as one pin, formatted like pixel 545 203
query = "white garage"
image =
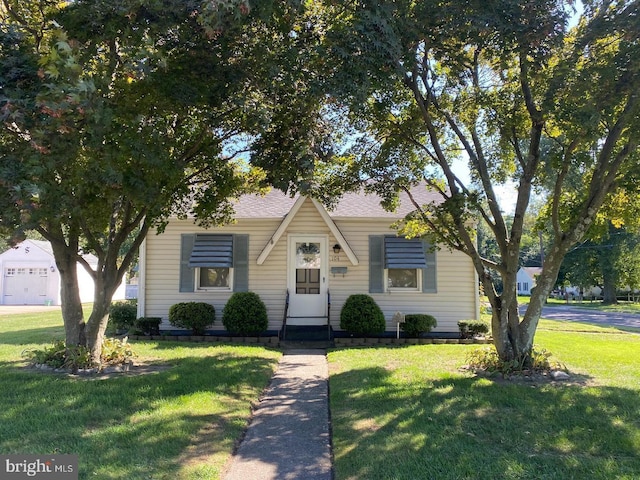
pixel 30 276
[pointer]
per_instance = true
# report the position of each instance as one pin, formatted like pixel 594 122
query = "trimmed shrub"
pixel 472 328
pixel 361 315
pixel 122 315
pixel 147 326
pixel 196 316
pixel 415 324
pixel 245 314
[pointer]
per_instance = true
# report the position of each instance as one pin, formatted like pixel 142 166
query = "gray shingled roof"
pixel 276 204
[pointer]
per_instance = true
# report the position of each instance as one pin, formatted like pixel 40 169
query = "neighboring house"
pixel 526 279
pixel 30 276
pixel 280 244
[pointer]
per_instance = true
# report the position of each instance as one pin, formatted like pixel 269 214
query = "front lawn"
pixel 180 422
pixel 409 412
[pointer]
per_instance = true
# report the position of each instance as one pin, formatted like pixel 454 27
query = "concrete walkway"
pixel 289 437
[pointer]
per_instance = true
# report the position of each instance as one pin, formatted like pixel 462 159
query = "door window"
pixel 308 262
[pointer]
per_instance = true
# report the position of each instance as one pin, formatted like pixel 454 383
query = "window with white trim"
pixel 403 260
pixel 399 264
pixel 409 279
pixel 214 262
pixel 214 278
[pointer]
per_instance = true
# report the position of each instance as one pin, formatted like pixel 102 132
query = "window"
pixel 403 260
pixel 525 286
pixel 400 264
pixel 406 278
pixel 210 262
pixel 210 278
pixel 519 289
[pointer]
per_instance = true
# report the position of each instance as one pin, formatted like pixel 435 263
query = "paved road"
pixel 576 314
pixel 13 309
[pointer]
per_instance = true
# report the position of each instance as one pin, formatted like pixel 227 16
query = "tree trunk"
pixel 106 283
pixel 609 291
pixel 607 257
pixel 72 315
pixel 610 282
pixel 513 337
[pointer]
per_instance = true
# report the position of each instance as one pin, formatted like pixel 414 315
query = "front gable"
pixel 282 228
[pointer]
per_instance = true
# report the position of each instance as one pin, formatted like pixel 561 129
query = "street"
pixel 574 313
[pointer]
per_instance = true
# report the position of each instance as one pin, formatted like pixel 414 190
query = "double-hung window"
pixel 398 264
pixel 404 260
pixel 214 262
pixel 212 257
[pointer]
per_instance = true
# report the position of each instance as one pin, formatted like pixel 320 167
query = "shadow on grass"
pixel 476 428
pixel 133 427
pixel 32 335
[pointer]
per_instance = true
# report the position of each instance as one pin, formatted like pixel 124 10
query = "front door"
pixel 307 280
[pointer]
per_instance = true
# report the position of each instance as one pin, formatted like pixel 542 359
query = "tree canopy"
pixel 509 89
pixel 115 112
pixel 118 115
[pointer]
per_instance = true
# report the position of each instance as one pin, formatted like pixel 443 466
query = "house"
pixel 526 279
pixel 30 276
pixel 305 260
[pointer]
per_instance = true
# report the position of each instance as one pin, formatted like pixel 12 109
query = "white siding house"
pixel 526 279
pixel 280 244
pixel 30 276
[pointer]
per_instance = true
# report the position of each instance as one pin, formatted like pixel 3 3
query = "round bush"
pixel 148 326
pixel 245 314
pixel 472 328
pixel 361 315
pixel 415 324
pixel 122 315
pixel 196 316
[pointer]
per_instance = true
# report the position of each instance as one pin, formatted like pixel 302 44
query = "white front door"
pixel 307 280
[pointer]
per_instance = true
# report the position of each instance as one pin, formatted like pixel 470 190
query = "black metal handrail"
pixel 328 315
pixel 284 319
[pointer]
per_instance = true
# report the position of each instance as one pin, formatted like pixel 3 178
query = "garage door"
pixel 25 286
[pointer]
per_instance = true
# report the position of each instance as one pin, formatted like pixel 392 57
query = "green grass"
pixel 181 422
pixel 621 307
pixel 397 413
pixel 408 413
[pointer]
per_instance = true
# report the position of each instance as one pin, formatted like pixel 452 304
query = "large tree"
pixel 434 84
pixel 118 115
